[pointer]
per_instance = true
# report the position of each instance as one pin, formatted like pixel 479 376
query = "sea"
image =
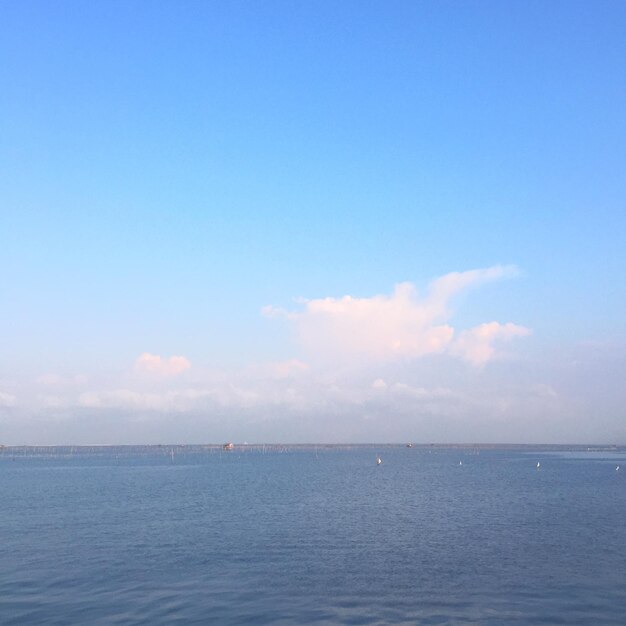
pixel 287 534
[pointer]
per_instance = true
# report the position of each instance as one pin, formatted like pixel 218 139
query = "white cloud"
pixel 420 393
pixel 477 344
pixel 7 399
pixel 271 312
pixel 161 366
pixel 402 325
pixel 287 369
pixel 443 288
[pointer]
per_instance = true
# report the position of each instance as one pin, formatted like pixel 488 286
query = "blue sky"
pixel 169 169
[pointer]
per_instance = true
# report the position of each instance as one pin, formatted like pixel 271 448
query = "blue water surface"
pixel 305 535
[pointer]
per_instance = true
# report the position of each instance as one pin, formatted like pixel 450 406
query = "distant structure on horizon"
pixel 228 446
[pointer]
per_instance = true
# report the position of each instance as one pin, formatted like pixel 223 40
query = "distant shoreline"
pixel 304 446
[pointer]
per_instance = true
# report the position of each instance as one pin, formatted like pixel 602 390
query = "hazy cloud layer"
pixel 437 398
pixel 384 368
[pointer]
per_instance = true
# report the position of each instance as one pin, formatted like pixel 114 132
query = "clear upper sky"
pixel 210 180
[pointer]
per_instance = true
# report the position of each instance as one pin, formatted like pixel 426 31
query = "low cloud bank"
pixel 389 367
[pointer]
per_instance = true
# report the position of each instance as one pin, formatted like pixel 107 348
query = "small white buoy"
pixel 460 462
pixel 538 465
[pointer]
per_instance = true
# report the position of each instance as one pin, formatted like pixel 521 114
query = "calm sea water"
pixel 312 535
